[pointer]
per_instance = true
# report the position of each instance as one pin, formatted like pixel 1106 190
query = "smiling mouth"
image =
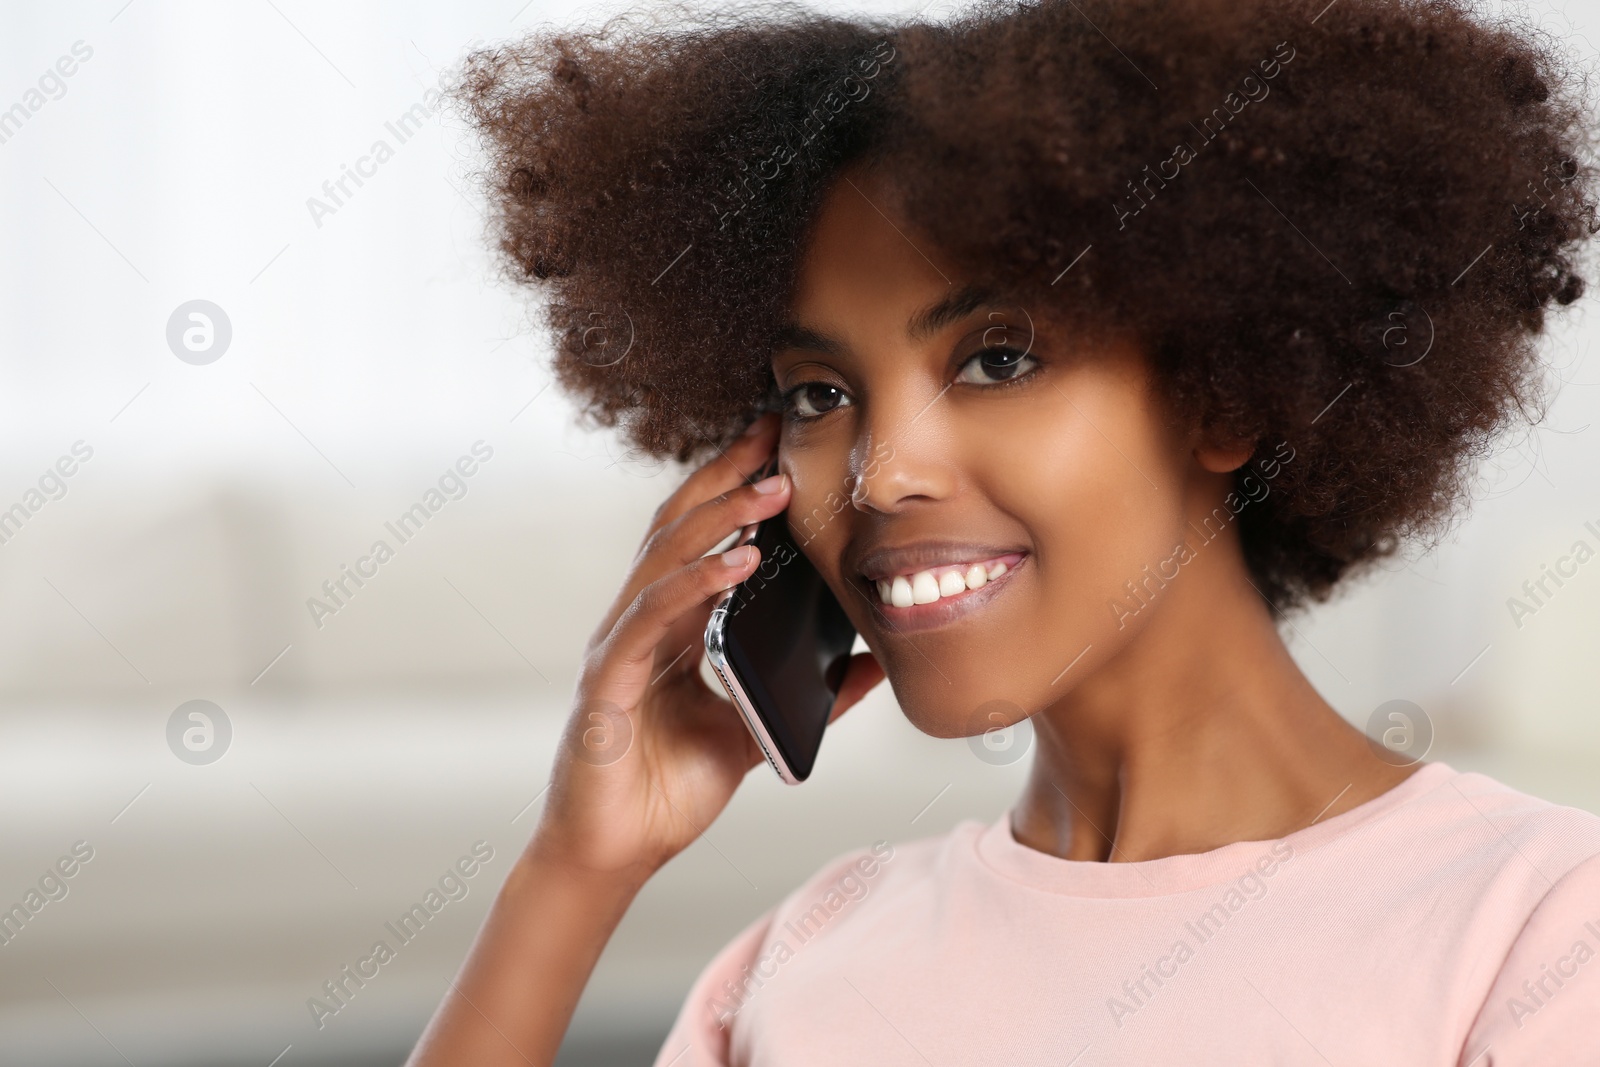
pixel 943 583
pixel 929 598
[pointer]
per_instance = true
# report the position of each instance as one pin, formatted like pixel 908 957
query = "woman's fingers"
pixel 694 533
pixel 704 526
pixel 723 472
pixel 627 654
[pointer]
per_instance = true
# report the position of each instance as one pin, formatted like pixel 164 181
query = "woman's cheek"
pixel 1100 525
pixel 1107 539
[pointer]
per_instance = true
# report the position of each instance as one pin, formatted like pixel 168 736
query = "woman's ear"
pixel 1222 458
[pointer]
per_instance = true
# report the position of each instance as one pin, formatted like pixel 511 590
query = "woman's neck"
pixel 1201 732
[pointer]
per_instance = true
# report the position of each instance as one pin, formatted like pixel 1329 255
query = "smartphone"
pixel 780 643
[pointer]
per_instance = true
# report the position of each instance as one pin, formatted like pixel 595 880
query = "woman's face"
pixel 929 436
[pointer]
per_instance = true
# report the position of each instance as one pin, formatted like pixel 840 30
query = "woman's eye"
pixel 992 366
pixel 995 365
pixel 808 400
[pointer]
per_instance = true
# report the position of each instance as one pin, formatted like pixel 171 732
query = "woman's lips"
pixel 946 609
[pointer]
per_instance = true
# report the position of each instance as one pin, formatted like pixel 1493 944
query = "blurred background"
pixel 174 491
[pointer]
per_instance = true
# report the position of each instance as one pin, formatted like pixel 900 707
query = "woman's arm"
pixel 1543 1003
pixel 515 995
pixel 650 756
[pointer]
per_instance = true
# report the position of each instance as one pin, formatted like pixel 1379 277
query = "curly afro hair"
pixel 1337 226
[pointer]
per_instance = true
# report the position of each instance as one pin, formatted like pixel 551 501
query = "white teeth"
pixel 924 587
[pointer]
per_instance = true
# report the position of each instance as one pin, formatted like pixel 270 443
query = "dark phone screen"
pixel 789 641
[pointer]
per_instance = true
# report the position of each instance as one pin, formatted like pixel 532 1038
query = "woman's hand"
pixel 651 754
pixel 650 757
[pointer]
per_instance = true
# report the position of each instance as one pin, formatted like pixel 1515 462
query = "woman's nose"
pixel 902 455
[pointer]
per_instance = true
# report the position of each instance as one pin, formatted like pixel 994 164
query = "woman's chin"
pixel 955 720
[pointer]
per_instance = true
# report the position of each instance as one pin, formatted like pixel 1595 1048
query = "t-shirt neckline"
pixel 998 849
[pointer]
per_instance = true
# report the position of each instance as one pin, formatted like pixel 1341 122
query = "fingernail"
pixel 772 484
pixel 755 427
pixel 737 557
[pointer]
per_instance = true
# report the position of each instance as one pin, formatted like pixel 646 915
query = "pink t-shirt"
pixel 1452 921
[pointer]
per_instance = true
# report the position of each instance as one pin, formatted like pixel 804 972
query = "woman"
pixel 1093 339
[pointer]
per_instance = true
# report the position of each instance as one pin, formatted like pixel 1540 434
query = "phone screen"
pixel 789 642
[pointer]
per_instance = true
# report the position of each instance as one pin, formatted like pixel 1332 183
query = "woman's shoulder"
pixel 822 904
pixel 867 869
pixel 1480 815
pixel 1452 849
pixel 1513 884
pixel 1545 993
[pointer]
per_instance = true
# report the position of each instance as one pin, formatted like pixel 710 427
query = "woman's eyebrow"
pixel 793 336
pixel 924 323
pixel 953 308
